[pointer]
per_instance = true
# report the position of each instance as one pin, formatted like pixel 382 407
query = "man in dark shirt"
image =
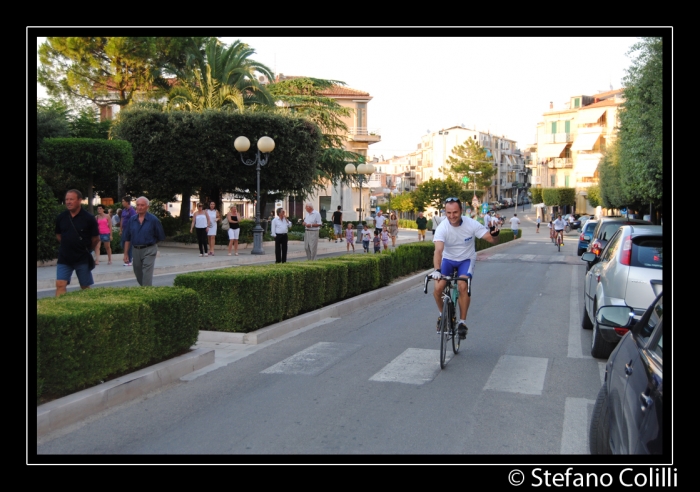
pixel 422 224
pixel 338 225
pixel 78 235
pixel 142 232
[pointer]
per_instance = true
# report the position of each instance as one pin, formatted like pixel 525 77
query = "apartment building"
pixel 571 141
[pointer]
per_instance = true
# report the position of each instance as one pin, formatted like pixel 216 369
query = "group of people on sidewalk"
pixel 80 234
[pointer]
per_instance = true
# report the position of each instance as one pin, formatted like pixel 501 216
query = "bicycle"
pixel 448 322
pixel 560 239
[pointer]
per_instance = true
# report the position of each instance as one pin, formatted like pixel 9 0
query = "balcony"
pixel 563 162
pixel 550 138
pixel 363 134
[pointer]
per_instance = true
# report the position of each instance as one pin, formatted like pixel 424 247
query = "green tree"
pixel 612 194
pixel 594 196
pixel 470 156
pixel 91 162
pixel 434 192
pixel 641 126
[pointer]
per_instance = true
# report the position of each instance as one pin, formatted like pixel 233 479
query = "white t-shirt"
pixel 379 221
pixel 559 224
pixel 459 241
pixel 514 223
pixel 366 234
pixel 487 220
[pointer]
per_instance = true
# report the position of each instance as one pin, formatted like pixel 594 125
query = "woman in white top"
pixel 214 218
pixel 233 230
pixel 200 221
pixel 278 229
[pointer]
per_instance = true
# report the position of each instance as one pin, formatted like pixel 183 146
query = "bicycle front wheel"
pixel 445 324
pixel 455 338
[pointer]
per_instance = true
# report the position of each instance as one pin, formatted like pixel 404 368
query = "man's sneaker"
pixel 462 329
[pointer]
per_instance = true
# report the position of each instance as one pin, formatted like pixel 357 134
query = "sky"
pixel 420 84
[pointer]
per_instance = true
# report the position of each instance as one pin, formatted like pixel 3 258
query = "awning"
pixel 540 205
pixel 550 150
pixel 585 141
pixel 585 168
pixel 508 161
pixel 590 115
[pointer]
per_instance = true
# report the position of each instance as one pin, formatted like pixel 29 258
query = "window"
pixel 567 126
pixel 566 181
pixel 554 127
pixel 647 253
pixel 552 180
pixel 361 113
pixel 612 247
pixel 577 102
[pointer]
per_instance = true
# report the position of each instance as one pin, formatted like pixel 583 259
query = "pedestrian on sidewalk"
pixel 514 224
pixel 144 231
pixel 338 225
pixel 392 227
pixel 279 229
pixel 377 241
pixel 312 224
pixel 422 224
pixel 234 229
pixel 385 238
pixel 104 225
pixel 379 223
pixel 127 213
pixel 366 237
pixel 78 235
pixel 214 218
pixel 349 238
pixel 538 224
pixel 200 221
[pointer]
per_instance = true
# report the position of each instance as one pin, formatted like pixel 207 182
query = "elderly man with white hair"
pixel 312 223
pixel 143 231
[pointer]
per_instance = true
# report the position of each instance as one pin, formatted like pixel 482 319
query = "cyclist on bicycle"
pixel 559 226
pixel 455 249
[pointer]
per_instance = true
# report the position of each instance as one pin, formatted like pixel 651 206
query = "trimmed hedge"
pixel 244 299
pixel 86 336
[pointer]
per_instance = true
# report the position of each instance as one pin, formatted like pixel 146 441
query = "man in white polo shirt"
pixel 379 223
pixel 312 223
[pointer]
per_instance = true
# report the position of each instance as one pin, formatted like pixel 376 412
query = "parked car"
pixel 507 202
pixel 606 227
pixel 627 273
pixel 628 412
pixel 585 236
pixel 583 219
pixel 494 205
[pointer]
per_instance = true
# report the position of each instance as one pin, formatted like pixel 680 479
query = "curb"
pixel 73 408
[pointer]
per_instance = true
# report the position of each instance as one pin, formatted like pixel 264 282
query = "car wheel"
pixel 599 433
pixel 580 251
pixel 600 348
pixel 586 323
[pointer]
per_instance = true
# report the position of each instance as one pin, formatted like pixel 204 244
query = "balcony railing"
pixel 563 162
pixel 550 138
pixel 363 130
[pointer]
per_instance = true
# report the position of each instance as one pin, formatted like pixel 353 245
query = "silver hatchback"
pixel 627 273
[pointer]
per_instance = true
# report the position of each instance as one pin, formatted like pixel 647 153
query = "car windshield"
pixel 647 253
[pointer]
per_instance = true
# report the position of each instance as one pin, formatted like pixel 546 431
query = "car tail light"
pixel 621 331
pixel 626 254
pixel 580 238
pixel 595 247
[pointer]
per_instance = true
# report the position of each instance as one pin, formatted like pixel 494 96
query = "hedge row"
pixel 244 299
pixel 87 336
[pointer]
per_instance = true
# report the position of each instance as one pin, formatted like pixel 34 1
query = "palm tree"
pixel 220 77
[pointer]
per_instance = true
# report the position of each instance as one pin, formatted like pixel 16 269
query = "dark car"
pixel 585 236
pixel 606 227
pixel 628 412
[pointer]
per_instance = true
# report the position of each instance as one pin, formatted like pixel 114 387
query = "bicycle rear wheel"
pixel 558 244
pixel 445 324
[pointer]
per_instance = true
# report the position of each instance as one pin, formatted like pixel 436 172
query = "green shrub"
pixel 171 226
pixel 47 211
pixel 86 336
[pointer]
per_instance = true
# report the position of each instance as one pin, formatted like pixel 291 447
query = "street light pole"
pixel 265 145
pixel 360 173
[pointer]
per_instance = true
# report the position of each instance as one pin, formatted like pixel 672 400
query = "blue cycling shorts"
pixel 463 267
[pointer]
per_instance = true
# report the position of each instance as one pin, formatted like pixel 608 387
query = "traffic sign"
pixel 465 180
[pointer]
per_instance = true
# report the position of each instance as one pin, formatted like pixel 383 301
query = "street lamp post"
pixel 473 173
pixel 361 174
pixel 265 146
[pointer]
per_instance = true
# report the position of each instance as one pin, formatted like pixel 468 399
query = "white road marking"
pixel 412 366
pixel 313 360
pixel 575 348
pixel 500 256
pixel 518 374
pixel 528 257
pixel 574 436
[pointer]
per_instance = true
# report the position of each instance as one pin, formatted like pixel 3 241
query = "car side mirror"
pixel 615 316
pixel 589 257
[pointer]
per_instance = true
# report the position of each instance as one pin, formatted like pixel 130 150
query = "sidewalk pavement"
pixel 213 349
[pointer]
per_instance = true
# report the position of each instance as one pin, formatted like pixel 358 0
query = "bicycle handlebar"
pixel 449 279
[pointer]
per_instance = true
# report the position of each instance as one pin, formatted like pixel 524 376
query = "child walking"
pixel 366 236
pixel 385 239
pixel 377 242
pixel 349 238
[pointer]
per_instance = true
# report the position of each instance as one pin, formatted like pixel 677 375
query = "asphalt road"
pixel 370 384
